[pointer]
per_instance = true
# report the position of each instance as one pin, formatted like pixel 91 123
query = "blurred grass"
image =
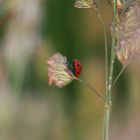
pixel 29 108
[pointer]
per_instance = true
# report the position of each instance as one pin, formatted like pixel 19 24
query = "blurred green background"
pixel 30 32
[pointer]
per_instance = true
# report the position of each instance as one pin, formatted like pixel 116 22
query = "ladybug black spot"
pixel 78 72
pixel 77 65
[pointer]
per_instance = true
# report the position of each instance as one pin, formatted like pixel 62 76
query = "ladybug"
pixel 77 67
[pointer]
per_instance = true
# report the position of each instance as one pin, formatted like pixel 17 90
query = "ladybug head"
pixel 77 67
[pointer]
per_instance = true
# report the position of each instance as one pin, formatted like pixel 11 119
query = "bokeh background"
pixel 30 32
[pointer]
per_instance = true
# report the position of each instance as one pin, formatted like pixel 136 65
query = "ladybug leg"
pixel 71 68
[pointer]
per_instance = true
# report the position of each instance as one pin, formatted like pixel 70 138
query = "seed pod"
pixel 58 71
pixel 128 35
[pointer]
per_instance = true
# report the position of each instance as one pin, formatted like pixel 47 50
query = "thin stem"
pixel 112 60
pixel 108 102
pixel 120 73
pixel 106 48
pixel 93 89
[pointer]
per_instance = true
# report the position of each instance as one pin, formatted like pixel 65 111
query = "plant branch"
pixel 117 77
pixel 106 48
pixel 108 102
pixel 120 73
pixel 93 89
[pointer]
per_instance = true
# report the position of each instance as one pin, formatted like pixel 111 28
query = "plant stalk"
pixel 106 49
pixel 120 73
pixel 118 76
pixel 92 88
pixel 108 101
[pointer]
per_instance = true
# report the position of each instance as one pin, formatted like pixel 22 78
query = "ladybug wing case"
pixel 77 67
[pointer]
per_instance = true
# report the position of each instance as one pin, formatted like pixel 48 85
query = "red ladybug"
pixel 77 67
